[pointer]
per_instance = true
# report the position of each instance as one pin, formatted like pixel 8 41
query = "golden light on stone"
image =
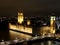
pixel 52 19
pixel 49 29
pixel 28 22
pixel 53 31
pixel 20 28
pixel 52 24
pixel 45 30
pixel 20 17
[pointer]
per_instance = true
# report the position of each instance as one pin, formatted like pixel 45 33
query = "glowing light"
pixel 20 28
pixel 52 24
pixel 49 29
pixel 20 17
pixel 53 31
pixel 20 13
pixel 45 30
pixel 52 17
pixel 28 22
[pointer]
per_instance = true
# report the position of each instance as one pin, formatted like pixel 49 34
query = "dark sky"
pixel 9 7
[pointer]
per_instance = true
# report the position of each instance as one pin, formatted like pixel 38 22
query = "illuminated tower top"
pixel 20 16
pixel 20 12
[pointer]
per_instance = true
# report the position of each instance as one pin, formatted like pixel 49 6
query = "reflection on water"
pixel 42 43
pixel 13 35
pixel 47 43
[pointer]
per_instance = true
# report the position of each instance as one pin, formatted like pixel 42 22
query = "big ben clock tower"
pixel 20 16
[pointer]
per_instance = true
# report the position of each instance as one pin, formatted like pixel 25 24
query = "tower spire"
pixel 20 10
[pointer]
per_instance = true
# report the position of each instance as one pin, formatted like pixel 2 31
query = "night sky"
pixel 30 7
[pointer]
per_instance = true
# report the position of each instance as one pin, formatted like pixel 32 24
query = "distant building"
pixel 20 16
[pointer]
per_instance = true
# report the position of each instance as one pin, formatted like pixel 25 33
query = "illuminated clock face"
pixel 20 13
pixel 20 17
pixel 52 17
